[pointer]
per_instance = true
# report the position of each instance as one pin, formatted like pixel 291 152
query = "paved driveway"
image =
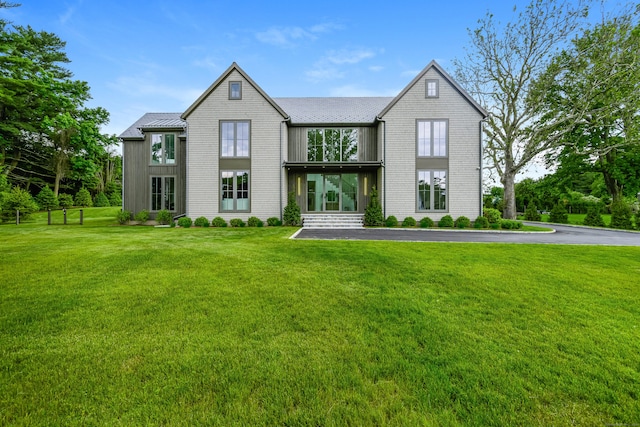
pixel 565 235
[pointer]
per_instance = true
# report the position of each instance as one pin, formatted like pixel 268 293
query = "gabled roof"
pixel 220 79
pixel 153 121
pixel 333 110
pixel 447 77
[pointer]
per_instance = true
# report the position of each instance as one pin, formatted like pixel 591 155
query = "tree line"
pixel 49 138
pixel 559 90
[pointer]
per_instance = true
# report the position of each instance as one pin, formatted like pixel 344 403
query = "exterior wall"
pixel 138 171
pixel 463 177
pixel 203 177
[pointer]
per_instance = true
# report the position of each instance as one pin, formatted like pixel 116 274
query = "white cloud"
pixel 410 73
pixel 376 68
pixel 284 37
pixel 66 16
pixel 345 56
pixel 289 36
pixel 146 86
pixel 207 62
pixel 329 66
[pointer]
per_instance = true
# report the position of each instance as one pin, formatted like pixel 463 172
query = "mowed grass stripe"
pixel 136 325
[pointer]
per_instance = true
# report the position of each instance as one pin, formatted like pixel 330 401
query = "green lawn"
pixel 108 325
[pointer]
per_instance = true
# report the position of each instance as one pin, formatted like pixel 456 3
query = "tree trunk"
pixel 508 182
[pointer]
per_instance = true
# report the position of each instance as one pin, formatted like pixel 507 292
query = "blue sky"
pixel 160 55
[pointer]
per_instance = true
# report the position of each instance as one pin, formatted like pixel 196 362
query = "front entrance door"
pixel 332 192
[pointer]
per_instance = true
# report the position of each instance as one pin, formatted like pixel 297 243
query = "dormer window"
pixel 235 90
pixel 432 88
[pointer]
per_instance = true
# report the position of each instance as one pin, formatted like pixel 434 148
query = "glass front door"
pixel 332 192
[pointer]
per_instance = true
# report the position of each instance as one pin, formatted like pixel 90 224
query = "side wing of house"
pixel 432 149
pixel 236 142
pixel 154 164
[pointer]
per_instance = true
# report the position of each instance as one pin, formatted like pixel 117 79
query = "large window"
pixel 163 193
pixel 234 139
pixel 234 191
pixel 432 138
pixel 163 149
pixel 332 145
pixel 432 190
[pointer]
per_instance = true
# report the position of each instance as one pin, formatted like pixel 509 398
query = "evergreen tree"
pixel 291 214
pixel 46 199
pixel 373 213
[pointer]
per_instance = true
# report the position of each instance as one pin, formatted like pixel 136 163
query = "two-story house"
pixel 236 152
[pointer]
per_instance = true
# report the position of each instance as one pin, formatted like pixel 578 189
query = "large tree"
pixel 46 132
pixel 498 69
pixel 599 75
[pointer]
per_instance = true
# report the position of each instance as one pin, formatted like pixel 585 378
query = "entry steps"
pixel 333 221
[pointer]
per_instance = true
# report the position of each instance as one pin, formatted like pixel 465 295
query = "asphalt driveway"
pixel 563 235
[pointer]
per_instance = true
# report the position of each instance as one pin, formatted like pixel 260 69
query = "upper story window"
pixel 235 90
pixel 432 88
pixel 332 145
pixel 432 138
pixel 234 139
pixel 163 149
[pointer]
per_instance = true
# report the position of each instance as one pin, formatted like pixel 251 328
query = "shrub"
pixel 493 215
pixel 373 216
pixel 391 221
pixel 142 216
pixel 185 222
pixel 163 217
pixel 65 200
pixel 494 226
pixel 115 199
pixel 621 215
pixel 559 214
pixel 123 217
pixel 409 222
pixel 254 221
pixel 462 222
pixel 201 222
pixel 101 201
pixel 237 222
pixel 511 224
pixel 481 222
pixel 274 222
pixel 17 199
pixel 291 214
pixel 446 222
pixel 83 198
pixel 426 222
pixel 531 213
pixel 46 199
pixel 593 218
pixel 219 222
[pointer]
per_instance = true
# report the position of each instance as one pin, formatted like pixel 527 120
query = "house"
pixel 236 152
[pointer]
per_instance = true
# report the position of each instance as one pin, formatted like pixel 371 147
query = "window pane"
pixel 242 139
pixel 227 191
pixel 227 135
pixel 424 190
pixel 156 149
pixel 235 90
pixel 242 191
pixel 314 145
pixel 440 138
pixel 439 190
pixel 349 145
pixel 432 88
pixel 424 139
pixel 170 148
pixel 332 145
pixel 156 193
pixel 169 194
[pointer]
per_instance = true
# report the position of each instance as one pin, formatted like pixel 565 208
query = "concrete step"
pixel 333 221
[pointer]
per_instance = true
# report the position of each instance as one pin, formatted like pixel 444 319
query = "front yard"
pixel 105 325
